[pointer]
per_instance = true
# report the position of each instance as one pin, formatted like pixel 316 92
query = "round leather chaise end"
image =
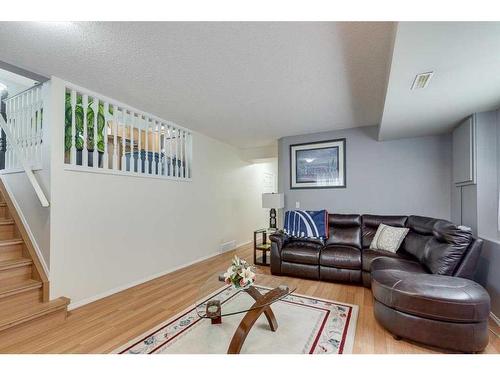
pixel 446 312
pixel 459 337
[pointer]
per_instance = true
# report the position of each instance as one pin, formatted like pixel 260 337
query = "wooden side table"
pixel 262 245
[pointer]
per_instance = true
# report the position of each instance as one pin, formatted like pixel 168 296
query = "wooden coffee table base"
pixel 246 324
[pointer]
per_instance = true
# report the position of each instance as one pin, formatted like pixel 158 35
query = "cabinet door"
pixel 464 152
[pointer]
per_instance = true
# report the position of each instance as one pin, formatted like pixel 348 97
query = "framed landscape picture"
pixel 318 165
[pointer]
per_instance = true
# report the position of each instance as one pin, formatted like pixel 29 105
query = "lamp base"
pixel 272 218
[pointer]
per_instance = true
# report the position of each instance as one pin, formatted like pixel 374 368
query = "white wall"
pixel 109 231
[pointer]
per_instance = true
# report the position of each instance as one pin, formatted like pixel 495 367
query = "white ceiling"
pixel 247 84
pixel 465 58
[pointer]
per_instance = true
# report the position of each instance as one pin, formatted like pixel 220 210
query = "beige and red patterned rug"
pixel 305 325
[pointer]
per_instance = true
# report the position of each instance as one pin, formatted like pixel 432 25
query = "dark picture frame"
pixel 318 165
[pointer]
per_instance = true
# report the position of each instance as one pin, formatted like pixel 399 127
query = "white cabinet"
pixel 464 152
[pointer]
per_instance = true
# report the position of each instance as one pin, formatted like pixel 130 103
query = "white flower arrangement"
pixel 240 274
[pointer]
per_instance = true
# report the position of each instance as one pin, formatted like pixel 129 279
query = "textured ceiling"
pixel 247 84
pixel 465 58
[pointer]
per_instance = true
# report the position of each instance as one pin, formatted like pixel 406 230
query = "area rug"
pixel 305 325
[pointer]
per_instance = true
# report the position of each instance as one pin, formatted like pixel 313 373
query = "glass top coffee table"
pixel 216 299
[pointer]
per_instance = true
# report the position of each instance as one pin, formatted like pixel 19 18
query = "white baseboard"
pixel 27 227
pixel 495 319
pixel 120 288
pixel 243 244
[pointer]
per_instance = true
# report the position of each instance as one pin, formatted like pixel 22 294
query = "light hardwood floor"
pixel 106 324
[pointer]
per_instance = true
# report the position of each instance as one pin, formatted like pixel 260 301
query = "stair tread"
pixel 19 286
pixel 11 241
pixel 4 221
pixel 3 204
pixel 14 263
pixel 32 312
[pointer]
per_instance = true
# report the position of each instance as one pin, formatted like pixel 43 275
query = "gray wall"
pixel 477 205
pixel 488 274
pixel 407 176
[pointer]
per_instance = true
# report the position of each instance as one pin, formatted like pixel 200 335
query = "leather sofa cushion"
pixel 306 271
pixel 370 225
pixel 340 257
pixel 306 252
pixel 339 275
pixel 444 298
pixel 399 264
pixel 437 244
pixel 344 230
pixel 370 255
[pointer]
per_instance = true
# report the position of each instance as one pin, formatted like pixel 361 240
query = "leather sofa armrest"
pixel 280 238
pixel 278 241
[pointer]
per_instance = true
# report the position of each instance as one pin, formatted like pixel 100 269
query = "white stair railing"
pixel 18 153
pixel 103 135
pixel 23 130
pixel 24 113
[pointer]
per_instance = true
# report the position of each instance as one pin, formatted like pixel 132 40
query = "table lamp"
pixel 273 201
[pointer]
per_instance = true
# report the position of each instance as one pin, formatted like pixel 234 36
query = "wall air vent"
pixel 421 80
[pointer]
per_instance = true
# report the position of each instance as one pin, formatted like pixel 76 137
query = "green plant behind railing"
pixel 79 124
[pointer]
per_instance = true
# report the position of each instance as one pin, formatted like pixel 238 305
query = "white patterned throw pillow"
pixel 388 238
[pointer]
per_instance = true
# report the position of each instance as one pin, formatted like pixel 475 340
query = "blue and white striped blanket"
pixel 306 224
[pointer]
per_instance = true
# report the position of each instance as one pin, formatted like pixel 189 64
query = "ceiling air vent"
pixel 421 80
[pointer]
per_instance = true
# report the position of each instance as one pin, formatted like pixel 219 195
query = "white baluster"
pixel 85 153
pixel 178 153
pixel 166 144
pixel 7 142
pixel 173 154
pixel 33 127
pixel 19 139
pixel 132 157
pixel 34 130
pixel 31 118
pixel 191 155
pixel 72 154
pixel 23 125
pixel 163 143
pixel 95 154
pixel 186 148
pixel 19 126
pixel 115 137
pixel 164 151
pixel 162 157
pixel 148 167
pixel 105 158
pixel 183 144
pixel 139 144
pixel 14 131
pixel 124 117
pixel 40 127
pixel 27 118
pixel 170 152
pixel 22 115
pixel 17 129
pixel 6 145
pixel 158 147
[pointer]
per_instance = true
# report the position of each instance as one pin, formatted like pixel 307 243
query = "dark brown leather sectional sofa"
pixel 422 292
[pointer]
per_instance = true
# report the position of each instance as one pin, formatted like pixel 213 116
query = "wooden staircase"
pixel 25 309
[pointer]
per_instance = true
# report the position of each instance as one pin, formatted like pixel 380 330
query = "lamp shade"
pixel 272 200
